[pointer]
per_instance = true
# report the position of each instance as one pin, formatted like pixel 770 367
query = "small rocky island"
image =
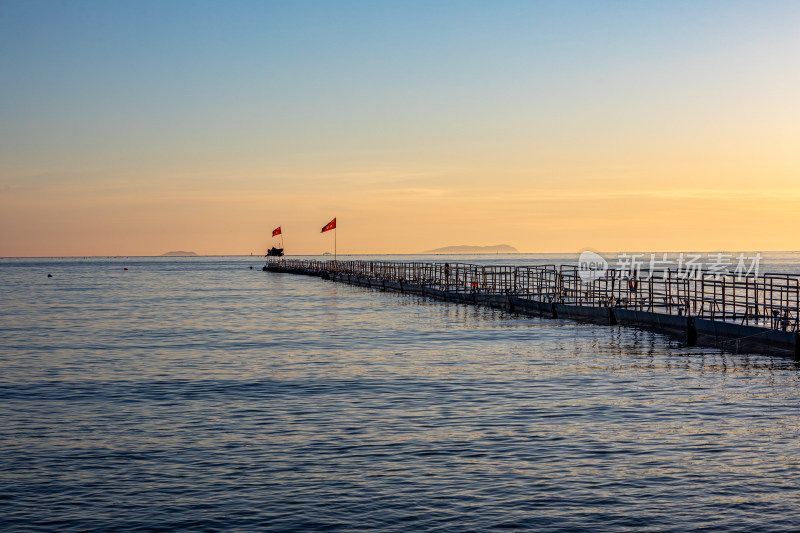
pixel 179 253
pixel 467 249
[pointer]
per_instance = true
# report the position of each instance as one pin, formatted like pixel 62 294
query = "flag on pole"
pixel 276 231
pixel 329 226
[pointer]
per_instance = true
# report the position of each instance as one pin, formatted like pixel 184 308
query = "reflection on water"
pixel 197 394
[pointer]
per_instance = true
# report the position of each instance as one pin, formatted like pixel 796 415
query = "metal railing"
pixel 772 300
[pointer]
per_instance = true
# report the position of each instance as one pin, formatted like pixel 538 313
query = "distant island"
pixel 178 253
pixel 466 249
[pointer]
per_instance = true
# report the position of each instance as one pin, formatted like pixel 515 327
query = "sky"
pixel 143 127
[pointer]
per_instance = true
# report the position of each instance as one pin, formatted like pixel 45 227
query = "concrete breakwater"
pixel 740 315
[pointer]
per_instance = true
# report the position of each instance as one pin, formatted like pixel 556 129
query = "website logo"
pixel 683 266
pixel 591 266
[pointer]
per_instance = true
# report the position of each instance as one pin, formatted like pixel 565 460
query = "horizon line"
pixel 393 254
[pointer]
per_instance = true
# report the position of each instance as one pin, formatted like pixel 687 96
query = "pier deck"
pixel 735 314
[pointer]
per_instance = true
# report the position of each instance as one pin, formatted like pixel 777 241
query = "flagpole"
pixel 328 227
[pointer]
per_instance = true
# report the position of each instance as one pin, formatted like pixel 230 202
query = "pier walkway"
pixel 748 314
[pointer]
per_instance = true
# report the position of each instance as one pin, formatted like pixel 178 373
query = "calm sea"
pixel 197 394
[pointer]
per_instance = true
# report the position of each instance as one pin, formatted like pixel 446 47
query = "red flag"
pixel 329 226
pixel 276 231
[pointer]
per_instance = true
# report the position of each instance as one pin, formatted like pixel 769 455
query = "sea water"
pixel 199 394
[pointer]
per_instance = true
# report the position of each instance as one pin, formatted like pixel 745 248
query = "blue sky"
pixel 124 101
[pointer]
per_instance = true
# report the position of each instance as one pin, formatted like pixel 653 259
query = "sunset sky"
pixel 141 127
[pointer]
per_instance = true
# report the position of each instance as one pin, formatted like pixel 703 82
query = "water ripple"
pixel 200 395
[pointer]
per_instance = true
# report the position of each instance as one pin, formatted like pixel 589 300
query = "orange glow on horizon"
pixel 559 130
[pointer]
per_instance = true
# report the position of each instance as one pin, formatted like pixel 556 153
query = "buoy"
pixel 49 275
pixel 126 268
